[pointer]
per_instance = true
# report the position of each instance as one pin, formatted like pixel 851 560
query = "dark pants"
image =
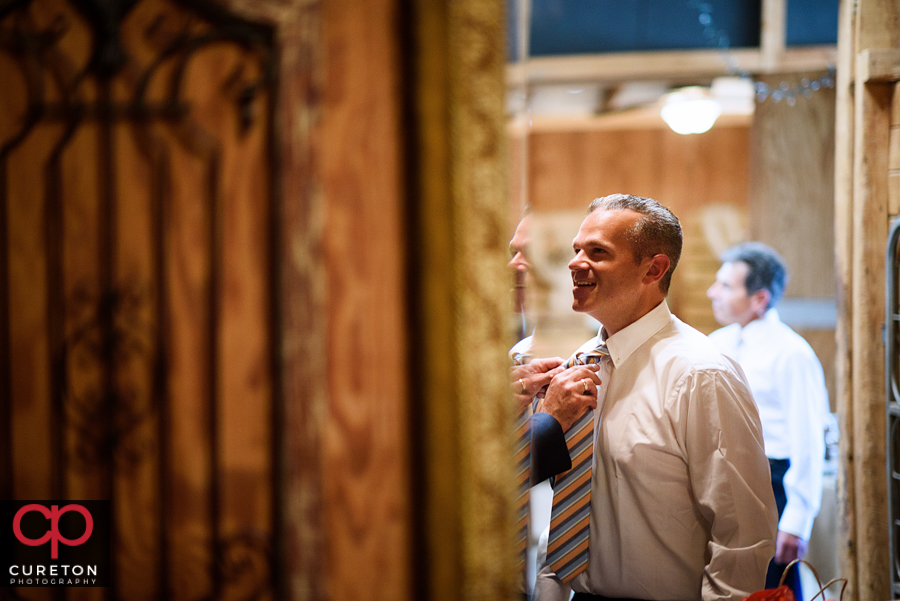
pixel 779 467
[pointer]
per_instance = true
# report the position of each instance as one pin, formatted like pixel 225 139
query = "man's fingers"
pixel 549 362
pixel 538 381
pixel 588 372
pixel 545 364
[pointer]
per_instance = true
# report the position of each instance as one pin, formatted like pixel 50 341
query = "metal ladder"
pixel 892 397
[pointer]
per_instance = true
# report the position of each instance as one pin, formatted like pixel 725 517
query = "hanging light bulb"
pixel 690 110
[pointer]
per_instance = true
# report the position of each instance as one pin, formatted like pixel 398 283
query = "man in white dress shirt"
pixel 681 508
pixel 788 385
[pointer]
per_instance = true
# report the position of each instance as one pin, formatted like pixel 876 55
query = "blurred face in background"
pixel 519 263
pixel 730 301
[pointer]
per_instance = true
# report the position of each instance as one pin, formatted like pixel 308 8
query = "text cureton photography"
pixel 55 543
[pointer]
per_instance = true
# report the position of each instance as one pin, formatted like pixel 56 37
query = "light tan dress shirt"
pixel 681 504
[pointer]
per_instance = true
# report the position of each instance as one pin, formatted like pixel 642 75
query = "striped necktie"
pixel 523 469
pixel 567 549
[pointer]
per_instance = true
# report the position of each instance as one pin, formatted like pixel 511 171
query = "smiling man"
pixel 668 496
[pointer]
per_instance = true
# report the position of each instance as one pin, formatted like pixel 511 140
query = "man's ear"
pixel 759 301
pixel 657 267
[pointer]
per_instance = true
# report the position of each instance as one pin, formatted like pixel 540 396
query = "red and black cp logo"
pixel 54 543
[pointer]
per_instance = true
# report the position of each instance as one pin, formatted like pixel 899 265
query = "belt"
pixel 590 597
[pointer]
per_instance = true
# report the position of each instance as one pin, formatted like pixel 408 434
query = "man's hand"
pixel 527 380
pixel 789 547
pixel 571 393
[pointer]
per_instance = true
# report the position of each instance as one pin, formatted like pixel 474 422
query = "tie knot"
pixel 589 357
pixel 519 358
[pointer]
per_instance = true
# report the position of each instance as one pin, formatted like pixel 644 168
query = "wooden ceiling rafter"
pixel 679 67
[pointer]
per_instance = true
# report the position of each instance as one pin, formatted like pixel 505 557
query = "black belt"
pixel 590 597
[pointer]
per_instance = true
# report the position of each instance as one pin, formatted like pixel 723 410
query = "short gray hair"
pixel 766 268
pixel 657 232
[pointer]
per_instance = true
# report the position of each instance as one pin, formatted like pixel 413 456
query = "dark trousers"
pixel 779 467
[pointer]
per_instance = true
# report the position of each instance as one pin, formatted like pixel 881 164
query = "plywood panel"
pixel 569 169
pixel 792 186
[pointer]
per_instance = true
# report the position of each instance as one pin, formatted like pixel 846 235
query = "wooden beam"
pixel 772 33
pixel 843 237
pixel 878 65
pixel 638 118
pixel 679 65
pixel 877 24
pixel 870 226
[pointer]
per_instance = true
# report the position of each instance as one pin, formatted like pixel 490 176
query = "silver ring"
pixel 522 384
pixel 584 383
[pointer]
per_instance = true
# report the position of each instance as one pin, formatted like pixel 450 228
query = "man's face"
pixel 730 301
pixel 607 280
pixel 519 263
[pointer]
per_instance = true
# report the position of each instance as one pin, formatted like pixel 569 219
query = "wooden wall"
pixel 568 169
pixel 791 199
pixel 792 184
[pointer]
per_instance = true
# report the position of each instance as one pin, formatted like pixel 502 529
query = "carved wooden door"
pixel 137 271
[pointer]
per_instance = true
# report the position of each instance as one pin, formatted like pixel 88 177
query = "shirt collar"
pixel 628 339
pixel 758 328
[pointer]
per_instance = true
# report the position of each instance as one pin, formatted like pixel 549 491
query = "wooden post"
pixel 843 234
pixel 870 224
pixel 869 34
pixel 772 34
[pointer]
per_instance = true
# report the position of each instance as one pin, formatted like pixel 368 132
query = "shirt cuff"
pixel 796 521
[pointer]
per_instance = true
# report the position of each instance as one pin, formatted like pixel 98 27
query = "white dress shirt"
pixel 681 504
pixel 789 387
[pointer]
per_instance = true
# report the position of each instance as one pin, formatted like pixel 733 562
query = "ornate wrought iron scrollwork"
pixel 108 427
pixel 100 333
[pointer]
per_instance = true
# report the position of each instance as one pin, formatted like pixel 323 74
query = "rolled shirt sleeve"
pixel 804 386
